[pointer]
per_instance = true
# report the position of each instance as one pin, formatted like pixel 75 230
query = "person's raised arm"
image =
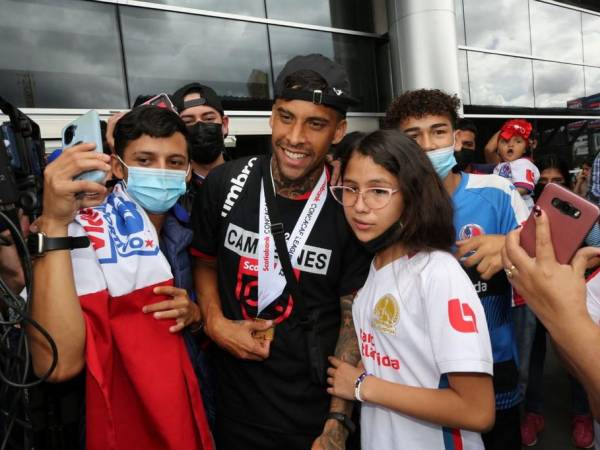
pixel 557 295
pixel 490 151
pixel 55 305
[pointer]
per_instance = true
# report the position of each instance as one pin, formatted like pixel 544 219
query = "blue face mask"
pixel 155 190
pixel 442 160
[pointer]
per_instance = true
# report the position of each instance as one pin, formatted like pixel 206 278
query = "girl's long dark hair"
pixel 554 161
pixel 427 218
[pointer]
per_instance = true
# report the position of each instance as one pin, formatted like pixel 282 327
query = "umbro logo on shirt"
pixel 237 184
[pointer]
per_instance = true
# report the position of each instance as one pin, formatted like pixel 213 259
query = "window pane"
pixel 357 54
pixel 498 25
pixel 591 39
pixel 464 77
pixel 49 60
pixel 592 80
pixel 555 84
pixel 460 22
pixel 183 48
pixel 254 8
pixel 513 88
pixel 556 32
pixel 349 14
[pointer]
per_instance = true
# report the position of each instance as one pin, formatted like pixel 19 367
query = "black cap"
pixel 336 94
pixel 208 97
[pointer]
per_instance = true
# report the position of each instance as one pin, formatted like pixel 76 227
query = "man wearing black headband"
pixel 273 338
pixel 201 110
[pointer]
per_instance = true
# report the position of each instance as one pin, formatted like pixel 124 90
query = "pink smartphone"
pixel 571 218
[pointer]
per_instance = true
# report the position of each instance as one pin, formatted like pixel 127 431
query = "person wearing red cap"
pixel 513 149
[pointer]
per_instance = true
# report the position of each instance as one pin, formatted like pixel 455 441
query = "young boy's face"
pixel 512 149
pixel 431 132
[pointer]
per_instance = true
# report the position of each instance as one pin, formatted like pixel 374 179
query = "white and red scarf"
pixel 141 390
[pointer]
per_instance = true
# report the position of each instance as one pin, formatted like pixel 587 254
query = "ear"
pixel 271 117
pixel 225 126
pixel 340 131
pixel 457 141
pixel 117 168
pixel 188 177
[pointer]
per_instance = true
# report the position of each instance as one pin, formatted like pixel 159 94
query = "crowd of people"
pixel 284 301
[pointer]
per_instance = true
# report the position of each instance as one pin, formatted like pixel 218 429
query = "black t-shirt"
pixel 275 394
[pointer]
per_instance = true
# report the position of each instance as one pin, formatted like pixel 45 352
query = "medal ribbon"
pixel 271 280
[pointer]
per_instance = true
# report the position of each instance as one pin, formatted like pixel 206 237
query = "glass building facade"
pixel 59 58
pixel 49 60
pixel 527 53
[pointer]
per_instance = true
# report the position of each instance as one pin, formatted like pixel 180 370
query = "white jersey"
pixel 523 174
pixel 418 319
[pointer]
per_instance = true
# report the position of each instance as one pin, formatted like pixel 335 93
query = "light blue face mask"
pixel 442 160
pixel 155 190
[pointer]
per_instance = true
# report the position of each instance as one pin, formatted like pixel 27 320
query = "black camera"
pixel 566 208
pixel 69 134
pixel 22 161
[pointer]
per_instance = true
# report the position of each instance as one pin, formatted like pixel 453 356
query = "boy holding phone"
pixel 116 307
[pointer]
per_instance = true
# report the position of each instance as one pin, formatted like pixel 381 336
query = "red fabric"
pixel 518 299
pixel 141 390
pixel 199 254
pixel 516 127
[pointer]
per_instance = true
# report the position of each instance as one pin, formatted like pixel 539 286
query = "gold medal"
pixel 264 335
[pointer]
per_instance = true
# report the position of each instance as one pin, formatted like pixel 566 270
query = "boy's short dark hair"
pixel 420 103
pixel 150 120
pixel 466 125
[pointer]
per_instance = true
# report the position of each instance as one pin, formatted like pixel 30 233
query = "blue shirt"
pixel 489 204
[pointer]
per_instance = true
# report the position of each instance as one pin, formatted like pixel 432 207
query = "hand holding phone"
pixel 571 217
pixel 85 129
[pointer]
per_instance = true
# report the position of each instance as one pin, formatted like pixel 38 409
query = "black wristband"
pixel 344 420
pixel 39 243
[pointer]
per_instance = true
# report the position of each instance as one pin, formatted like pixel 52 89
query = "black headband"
pixel 194 102
pixel 318 97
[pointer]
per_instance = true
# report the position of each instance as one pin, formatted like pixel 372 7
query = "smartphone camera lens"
pixel 556 203
pixel 69 134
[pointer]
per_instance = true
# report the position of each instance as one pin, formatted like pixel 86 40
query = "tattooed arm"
pixel 334 433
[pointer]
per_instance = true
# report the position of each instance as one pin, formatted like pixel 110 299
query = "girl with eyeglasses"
pixel 425 375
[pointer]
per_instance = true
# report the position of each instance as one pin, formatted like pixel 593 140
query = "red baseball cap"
pixel 516 127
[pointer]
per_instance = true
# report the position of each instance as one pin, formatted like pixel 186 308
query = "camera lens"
pixel 69 134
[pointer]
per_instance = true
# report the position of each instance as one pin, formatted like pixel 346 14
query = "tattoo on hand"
pixel 347 345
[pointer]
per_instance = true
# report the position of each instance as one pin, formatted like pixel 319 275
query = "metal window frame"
pixel 238 17
pixel 573 7
pixel 523 56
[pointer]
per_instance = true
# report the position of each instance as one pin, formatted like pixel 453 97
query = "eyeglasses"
pixel 374 198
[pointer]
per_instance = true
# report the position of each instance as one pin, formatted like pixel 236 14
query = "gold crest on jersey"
pixel 386 314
